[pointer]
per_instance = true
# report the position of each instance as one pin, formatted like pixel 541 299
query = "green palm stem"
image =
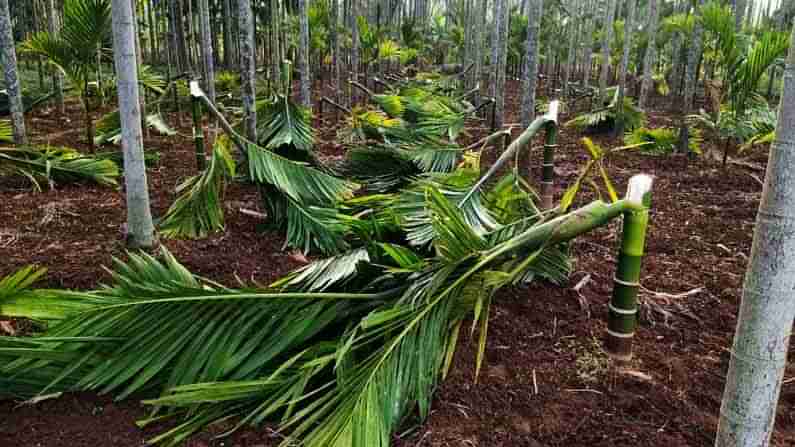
pixel 547 120
pixel 623 307
pixel 548 169
pixel 568 226
pixel 198 132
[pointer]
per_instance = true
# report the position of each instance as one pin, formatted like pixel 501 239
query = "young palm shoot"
pixel 623 307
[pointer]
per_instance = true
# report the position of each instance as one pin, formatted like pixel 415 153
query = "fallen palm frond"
pixel 280 122
pixel 662 140
pixel 604 119
pixel 198 210
pixel 109 127
pixel 56 165
pixel 342 367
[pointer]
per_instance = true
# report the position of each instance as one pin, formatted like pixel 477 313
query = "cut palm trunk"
pixel 623 306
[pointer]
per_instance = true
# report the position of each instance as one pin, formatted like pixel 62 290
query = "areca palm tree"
pixel 79 48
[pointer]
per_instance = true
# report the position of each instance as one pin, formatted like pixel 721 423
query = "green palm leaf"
pixel 57 165
pixel 280 123
pixel 199 210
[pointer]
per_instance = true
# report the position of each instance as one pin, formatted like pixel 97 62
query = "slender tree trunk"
pixel 573 34
pixel 691 76
pixel 11 75
pixel 247 74
pixel 227 30
pixel 622 77
pixel 677 52
pixel 303 54
pixel 608 36
pixel 207 49
pixel 764 325
pixel 649 58
pixel 336 55
pixel 496 89
pixel 139 218
pixel 534 12
pixel 354 68
pixel 501 67
pixel 586 80
pixel 57 77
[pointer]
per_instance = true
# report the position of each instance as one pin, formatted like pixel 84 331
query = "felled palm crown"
pixel 343 350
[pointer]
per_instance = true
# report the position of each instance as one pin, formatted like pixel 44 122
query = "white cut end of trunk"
pixel 195 90
pixel 639 186
pixel 553 110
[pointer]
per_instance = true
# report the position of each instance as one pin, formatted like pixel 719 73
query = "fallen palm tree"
pixel 340 352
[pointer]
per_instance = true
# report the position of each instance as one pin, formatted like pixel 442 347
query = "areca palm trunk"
pixel 691 76
pixel 336 55
pixel 247 74
pixel 139 217
pixel 570 56
pixel 623 306
pixel 767 310
pixel 57 76
pixel 495 89
pixel 354 67
pixel 502 66
pixel 622 82
pixel 227 32
pixel 303 55
pixel 650 58
pixel 534 12
pixel 207 49
pixel 608 36
pixel 588 57
pixel 11 75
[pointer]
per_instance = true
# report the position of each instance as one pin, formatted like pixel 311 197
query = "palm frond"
pixel 662 140
pixel 199 210
pixel 280 122
pixel 301 182
pixel 57 165
pixel 6 133
pixel 108 128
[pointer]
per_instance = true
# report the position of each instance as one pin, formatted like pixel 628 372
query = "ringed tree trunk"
pixel 622 81
pixel 303 55
pixel 588 58
pixel 608 36
pixel 57 76
pixel 227 32
pixel 502 68
pixel 12 75
pixel 570 56
pixel 139 216
pixel 764 324
pixel 691 76
pixel 354 68
pixel 247 75
pixel 496 56
pixel 335 48
pixel 207 49
pixel 534 13
pixel 650 58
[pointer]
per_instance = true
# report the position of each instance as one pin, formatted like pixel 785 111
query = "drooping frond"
pixel 199 210
pixel 299 181
pixel 604 119
pixel 55 165
pixel 662 140
pixel 280 122
pixel 108 128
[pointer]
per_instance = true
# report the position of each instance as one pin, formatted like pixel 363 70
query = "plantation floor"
pixel 546 381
